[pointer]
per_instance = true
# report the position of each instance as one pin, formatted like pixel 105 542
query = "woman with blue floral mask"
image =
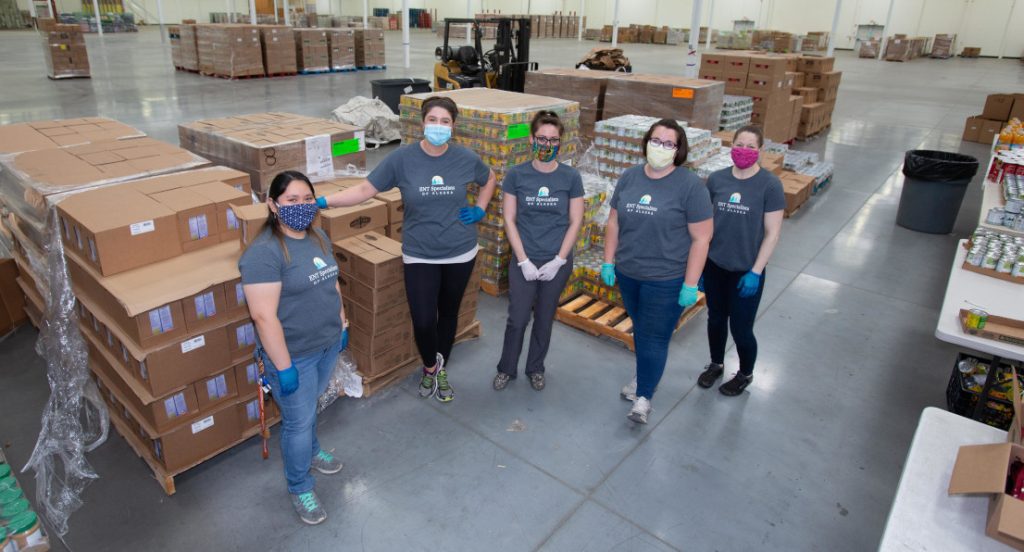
pixel 439 239
pixel 543 210
pixel 290 280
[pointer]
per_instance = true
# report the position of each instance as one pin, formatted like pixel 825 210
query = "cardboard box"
pixel 252 220
pixel 278 42
pixel 989 130
pixel 372 258
pixel 816 64
pixel 1017 112
pixel 241 339
pixel 375 323
pixel 12 299
pixel 197 218
pixel 37 135
pixel 370 298
pixel 224 197
pixel 768 66
pixel 343 222
pixel 725 64
pixel 972 129
pixel 699 102
pixel 371 365
pixel 230 50
pixel 205 308
pixel 369 48
pixel 249 413
pixel 396 209
pixel 342 43
pixel 246 374
pixel 971 52
pixel 808 94
pixel 799 80
pixel 824 80
pixel 192 443
pixel 770 84
pixel 216 389
pixel 234 295
pixel 312 50
pixel 998 107
pixel 395 336
pixel 236 179
pixel 394 231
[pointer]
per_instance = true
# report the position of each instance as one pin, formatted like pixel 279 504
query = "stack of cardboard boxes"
pixel 231 51
pixel 903 48
pixel 265 144
pixel 188 48
pixel 971 52
pixel 312 50
pixel 557 25
pixel 342 44
pixel 278 49
pixel 64 49
pixel 819 76
pixel 999 108
pixel 768 79
pixel 944 46
pixel 369 48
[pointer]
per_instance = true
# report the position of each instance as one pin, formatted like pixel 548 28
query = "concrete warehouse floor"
pixel 808 459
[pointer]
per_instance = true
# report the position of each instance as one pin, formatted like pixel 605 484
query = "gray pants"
pixel 540 298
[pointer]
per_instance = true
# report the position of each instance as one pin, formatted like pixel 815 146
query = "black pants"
pixel 524 298
pixel 435 292
pixel 728 311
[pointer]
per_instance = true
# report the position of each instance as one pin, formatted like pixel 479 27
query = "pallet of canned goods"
pixel 736 112
pixel 996 254
pixel 618 144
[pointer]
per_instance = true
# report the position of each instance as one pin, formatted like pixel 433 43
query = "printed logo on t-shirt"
pixel 543 192
pixel 543 198
pixel 734 205
pixel 735 198
pixel 319 263
pixel 642 207
pixel 437 188
pixel 645 200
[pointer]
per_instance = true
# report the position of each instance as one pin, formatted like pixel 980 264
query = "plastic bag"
pixel 381 124
pixel 344 381
pixel 939 166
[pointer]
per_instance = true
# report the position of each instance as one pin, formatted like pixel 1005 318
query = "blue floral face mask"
pixel 297 217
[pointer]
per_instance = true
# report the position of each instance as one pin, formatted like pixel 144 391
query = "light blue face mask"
pixel 437 135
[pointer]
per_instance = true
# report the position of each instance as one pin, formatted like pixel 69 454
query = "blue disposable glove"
pixel 748 284
pixel 321 202
pixel 608 274
pixel 471 215
pixel 688 296
pixel 289 379
pixel 344 339
pixel 700 284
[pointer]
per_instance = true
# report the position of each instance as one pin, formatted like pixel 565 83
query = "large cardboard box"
pixel 344 222
pixel 396 208
pixel 252 219
pixel 230 50
pixel 824 80
pixel 224 198
pixel 37 135
pixel 816 64
pixel 342 43
pixel 278 43
pixel 188 47
pixel 372 258
pixel 989 130
pixel 725 64
pixel 65 52
pixel 192 443
pixel 312 50
pixel 205 308
pixel 583 86
pixel 369 48
pixel 216 389
pixel 809 95
pixel 998 107
pixel 768 66
pixel 699 102
pixel 972 129
pixel 371 298
pixel 375 323
pixel 197 218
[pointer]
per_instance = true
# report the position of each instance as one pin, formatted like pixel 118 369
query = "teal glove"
pixel 344 339
pixel 688 296
pixel 471 215
pixel 608 274
pixel 289 380
pixel 321 202
pixel 748 284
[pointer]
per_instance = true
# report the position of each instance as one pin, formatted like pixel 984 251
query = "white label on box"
pixel 143 371
pixel 67 228
pixel 197 227
pixel 222 386
pixel 252 410
pixel 251 371
pixel 193 344
pixel 239 294
pixel 78 237
pixel 143 227
pixel 154 322
pixel 319 163
pixel 232 219
pixel 92 249
pixel 205 423
pixel 171 411
pixel 166 321
pixel 361 136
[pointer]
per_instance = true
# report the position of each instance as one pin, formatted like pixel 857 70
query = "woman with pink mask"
pixel 748 204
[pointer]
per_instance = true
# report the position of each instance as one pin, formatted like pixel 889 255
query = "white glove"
pixel 550 269
pixel 530 271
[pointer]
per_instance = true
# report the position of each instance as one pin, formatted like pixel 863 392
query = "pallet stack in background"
pixel 496 125
pixel 312 50
pixel 900 47
pixel 265 144
pixel 65 52
pixel 998 109
pixel 820 75
pixel 342 44
pixel 369 49
pixel 278 42
pixel 230 51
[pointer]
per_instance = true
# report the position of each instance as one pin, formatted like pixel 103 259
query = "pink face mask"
pixel 744 158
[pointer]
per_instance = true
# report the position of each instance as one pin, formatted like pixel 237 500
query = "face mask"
pixel 297 217
pixel 744 158
pixel 545 153
pixel 658 157
pixel 437 135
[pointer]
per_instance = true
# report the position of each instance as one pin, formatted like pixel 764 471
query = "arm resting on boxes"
pixel 576 208
pixel 347 198
pixel 263 300
pixel 700 234
pixel 772 229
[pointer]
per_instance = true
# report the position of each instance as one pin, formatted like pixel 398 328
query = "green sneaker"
pixel 444 393
pixel 307 505
pixel 428 385
pixel 325 463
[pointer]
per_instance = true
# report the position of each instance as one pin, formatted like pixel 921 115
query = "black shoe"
pixel 710 375
pixel 501 381
pixel 537 381
pixel 736 385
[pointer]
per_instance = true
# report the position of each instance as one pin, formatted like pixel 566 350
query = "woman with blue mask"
pixel 290 280
pixel 656 243
pixel 543 210
pixel 439 239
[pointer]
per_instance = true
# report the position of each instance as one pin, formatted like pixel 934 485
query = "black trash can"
pixel 933 189
pixel 390 90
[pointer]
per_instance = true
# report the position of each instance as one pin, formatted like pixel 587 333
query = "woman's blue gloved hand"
pixel 321 202
pixel 471 215
pixel 608 274
pixel 344 339
pixel 748 284
pixel 289 379
pixel 688 296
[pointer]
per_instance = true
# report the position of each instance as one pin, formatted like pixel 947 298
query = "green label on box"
pixel 345 147
pixel 518 131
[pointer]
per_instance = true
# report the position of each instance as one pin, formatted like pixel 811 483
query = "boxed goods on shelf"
pixel 278 49
pixel 230 50
pixel 65 52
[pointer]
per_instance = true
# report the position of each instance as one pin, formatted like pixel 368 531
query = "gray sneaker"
pixel 325 463
pixel 537 381
pixel 628 392
pixel 501 380
pixel 307 505
pixel 428 384
pixel 640 411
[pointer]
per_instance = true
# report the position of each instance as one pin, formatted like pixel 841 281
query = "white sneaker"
pixel 641 409
pixel 628 392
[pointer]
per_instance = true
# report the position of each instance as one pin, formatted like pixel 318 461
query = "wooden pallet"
pixel 272 75
pixel 373 68
pixel 381 382
pixel 597 317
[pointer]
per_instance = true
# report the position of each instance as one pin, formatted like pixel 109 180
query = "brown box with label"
pixel 998 107
pixel 397 335
pixel 223 198
pixel 234 296
pixel 241 338
pixel 813 64
pixel 394 231
pixel 768 66
pixel 233 178
pixel 344 222
pixel 342 43
pixel 197 218
pixel 809 95
pixel 206 308
pixel 246 378
pixel 989 130
pixel 699 102
pixel 278 43
pixel 216 389
pixel 230 50
pixel 370 298
pixel 371 365
pixel 192 443
pixel 312 50
pixel 972 129
pixel 249 413
pixel 372 258
pixel 725 64
pixel 776 84
pixel 377 323
pixel 369 48
pixel 252 220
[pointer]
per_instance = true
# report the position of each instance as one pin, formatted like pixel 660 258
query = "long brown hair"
pixel 277 188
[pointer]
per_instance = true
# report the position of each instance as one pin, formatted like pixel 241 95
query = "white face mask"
pixel 659 158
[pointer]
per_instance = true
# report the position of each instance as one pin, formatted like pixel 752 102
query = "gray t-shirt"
pixel 433 190
pixel 310 307
pixel 654 240
pixel 542 206
pixel 740 206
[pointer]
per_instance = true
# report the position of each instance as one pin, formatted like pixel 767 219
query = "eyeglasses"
pixel 545 141
pixel 667 144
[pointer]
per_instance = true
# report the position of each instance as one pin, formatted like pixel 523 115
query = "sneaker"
pixel 710 375
pixel 428 385
pixel 307 505
pixel 628 392
pixel 736 385
pixel 444 392
pixel 641 409
pixel 501 381
pixel 537 381
pixel 325 463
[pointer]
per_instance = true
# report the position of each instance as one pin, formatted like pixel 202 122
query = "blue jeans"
pixel 298 413
pixel 654 308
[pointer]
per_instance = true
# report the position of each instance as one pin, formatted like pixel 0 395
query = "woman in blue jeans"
pixel 656 244
pixel 290 280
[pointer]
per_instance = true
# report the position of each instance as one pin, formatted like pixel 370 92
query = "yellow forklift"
pixel 503 67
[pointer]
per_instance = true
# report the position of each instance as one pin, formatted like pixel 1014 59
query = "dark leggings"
pixel 435 292
pixel 728 311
